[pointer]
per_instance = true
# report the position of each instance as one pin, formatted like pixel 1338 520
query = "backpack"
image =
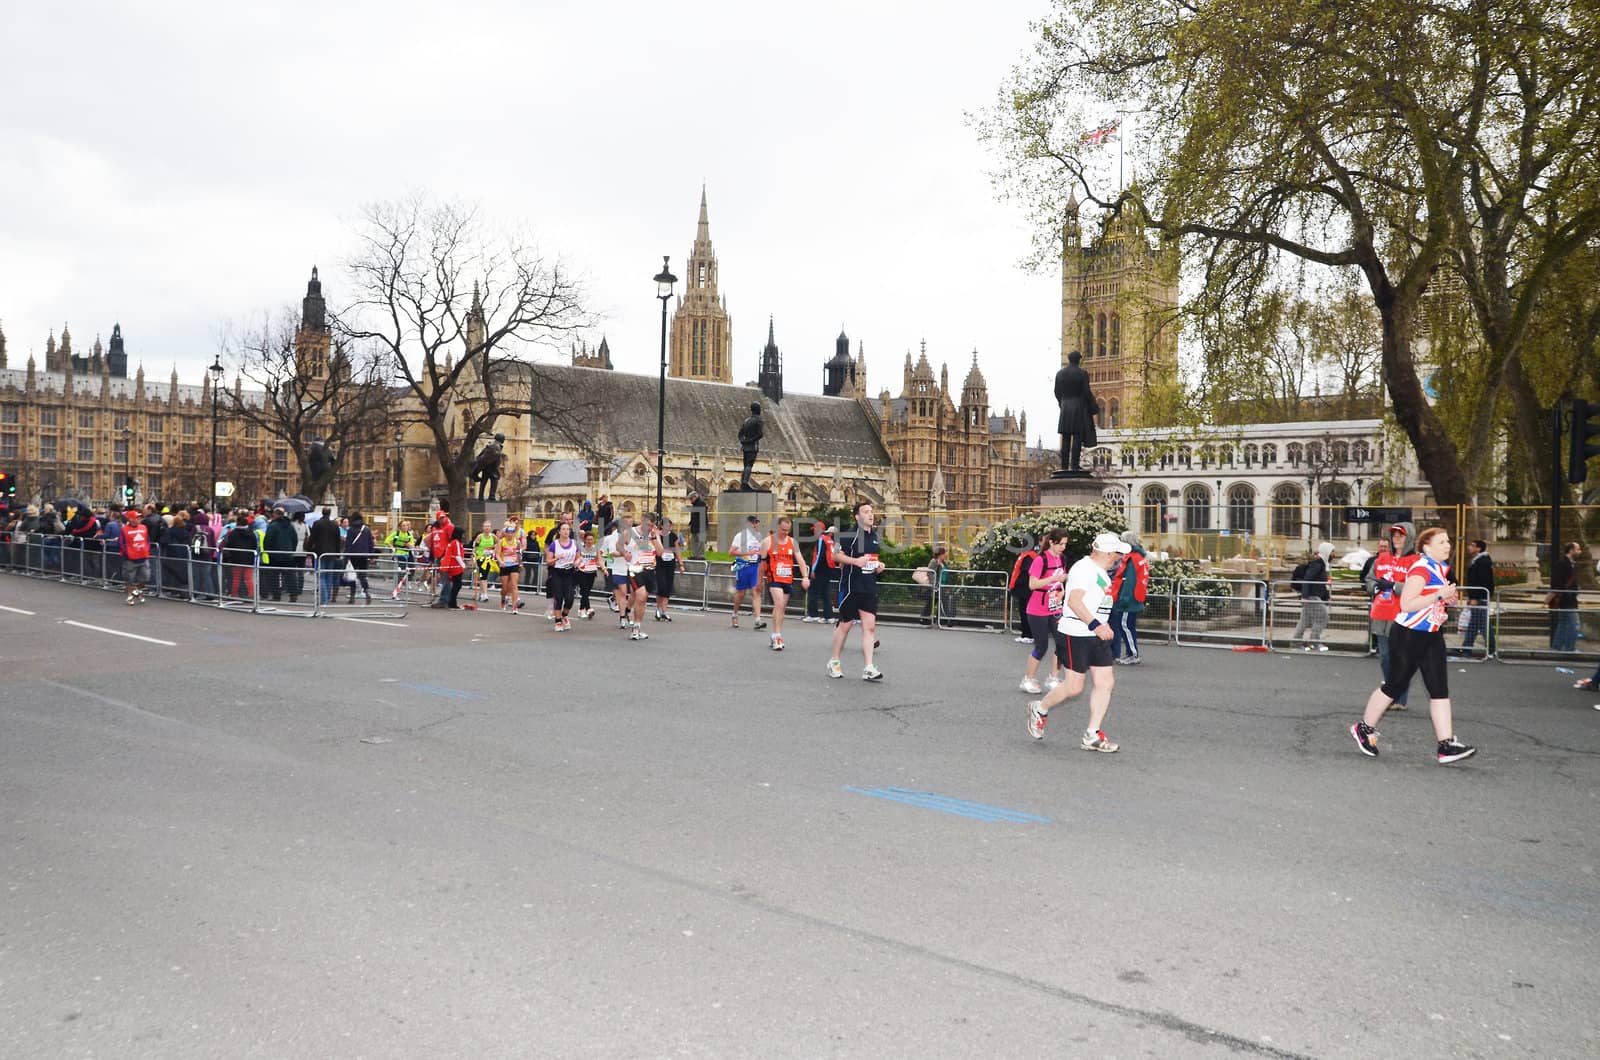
pixel 136 542
pixel 1297 578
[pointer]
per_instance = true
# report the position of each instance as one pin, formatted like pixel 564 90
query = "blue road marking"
pixel 945 804
pixel 440 690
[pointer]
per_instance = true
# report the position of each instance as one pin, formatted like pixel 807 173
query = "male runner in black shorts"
pixel 858 592
pixel 1083 642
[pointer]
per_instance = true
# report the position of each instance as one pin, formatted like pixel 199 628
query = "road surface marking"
pixel 120 633
pixel 927 800
pixel 371 621
pixel 16 610
pixel 440 690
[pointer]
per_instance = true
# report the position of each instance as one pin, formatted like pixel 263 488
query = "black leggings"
pixel 562 582
pixel 1414 652
pixel 1043 628
pixel 585 586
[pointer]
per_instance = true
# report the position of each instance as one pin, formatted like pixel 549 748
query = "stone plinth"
pixel 1071 490
pixel 492 512
pixel 734 507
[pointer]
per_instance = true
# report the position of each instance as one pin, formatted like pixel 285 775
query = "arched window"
pixel 1185 457
pixel 1341 453
pixel 1314 453
pixel 1225 456
pixel 1207 455
pixel 1332 498
pixel 1295 454
pixel 1269 455
pixel 1114 496
pixel 1116 412
pixel 1100 344
pixel 1154 510
pixel 1116 335
pixel 1362 452
pixel 1101 457
pixel 1286 514
pixel 1196 508
pixel 1242 509
pixel 627 509
pixel 1251 455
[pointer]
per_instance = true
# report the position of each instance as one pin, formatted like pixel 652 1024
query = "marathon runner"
pixel 858 592
pixel 1083 642
pixel 781 558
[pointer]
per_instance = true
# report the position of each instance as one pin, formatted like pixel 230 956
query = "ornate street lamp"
pixel 216 371
pixel 664 282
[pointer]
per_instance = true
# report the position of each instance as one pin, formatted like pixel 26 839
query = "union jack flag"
pixel 1104 134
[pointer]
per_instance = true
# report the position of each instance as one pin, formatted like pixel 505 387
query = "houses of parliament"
pixel 80 423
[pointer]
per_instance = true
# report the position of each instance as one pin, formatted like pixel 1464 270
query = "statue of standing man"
pixel 1078 410
pixel 486 467
pixel 750 433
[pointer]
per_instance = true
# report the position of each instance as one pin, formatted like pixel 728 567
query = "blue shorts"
pixel 746 577
pixel 619 581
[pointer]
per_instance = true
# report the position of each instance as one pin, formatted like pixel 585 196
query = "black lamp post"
pixel 216 385
pixel 127 466
pixel 664 282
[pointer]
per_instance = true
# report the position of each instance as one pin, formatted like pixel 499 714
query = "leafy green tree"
pixel 1392 141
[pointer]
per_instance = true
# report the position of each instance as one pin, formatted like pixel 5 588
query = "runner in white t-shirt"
pixel 1083 642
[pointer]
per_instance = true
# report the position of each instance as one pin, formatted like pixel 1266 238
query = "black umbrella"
pixel 63 503
pixel 291 504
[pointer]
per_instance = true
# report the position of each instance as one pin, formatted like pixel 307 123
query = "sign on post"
pixel 1377 515
pixel 223 489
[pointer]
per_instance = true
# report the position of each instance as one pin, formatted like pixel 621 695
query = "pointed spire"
pixel 770 341
pixel 703 231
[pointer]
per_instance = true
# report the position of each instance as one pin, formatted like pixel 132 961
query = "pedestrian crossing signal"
pixel 128 488
pixel 1580 444
pixel 8 488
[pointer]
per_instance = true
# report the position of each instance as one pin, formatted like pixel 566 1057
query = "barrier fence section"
pixel 1474 623
pixel 975 599
pixel 1340 623
pixel 238 581
pixel 1527 628
pixel 1220 612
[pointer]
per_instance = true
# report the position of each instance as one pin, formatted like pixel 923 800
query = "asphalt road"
pixel 464 835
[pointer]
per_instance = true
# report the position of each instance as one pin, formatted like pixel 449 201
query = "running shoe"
pixel 1096 741
pixel 1453 750
pixel 588 614
pixel 1030 686
pixel 1322 647
pixel 1051 682
pixel 777 642
pixel 622 623
pixel 761 623
pixel 1366 738
pixel 1036 719
pixel 871 673
pixel 834 669
pixel 131 601
pixel 665 617
pixel 735 621
pixel 1022 640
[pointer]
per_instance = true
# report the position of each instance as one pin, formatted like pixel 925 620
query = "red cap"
pixel 1400 528
pixel 132 513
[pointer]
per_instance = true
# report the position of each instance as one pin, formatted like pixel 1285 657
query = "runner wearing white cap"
pixel 1083 642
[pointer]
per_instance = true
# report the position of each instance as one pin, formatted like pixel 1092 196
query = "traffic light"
pixel 8 486
pixel 1584 428
pixel 129 486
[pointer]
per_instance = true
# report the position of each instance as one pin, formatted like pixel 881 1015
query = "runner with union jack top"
pixel 1416 645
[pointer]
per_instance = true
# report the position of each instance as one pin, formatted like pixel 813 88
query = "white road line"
pixel 371 621
pixel 119 633
pixel 16 610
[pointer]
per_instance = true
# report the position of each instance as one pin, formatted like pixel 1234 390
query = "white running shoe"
pixel 1030 686
pixel 871 673
pixel 834 669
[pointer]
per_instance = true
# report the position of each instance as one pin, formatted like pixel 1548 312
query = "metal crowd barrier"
pixel 1236 616
pixel 1477 620
pixel 187 576
pixel 1348 627
pixel 975 599
pixel 1526 629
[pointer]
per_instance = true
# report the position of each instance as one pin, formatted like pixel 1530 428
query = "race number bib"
pixel 871 564
pixel 783 571
pixel 1052 599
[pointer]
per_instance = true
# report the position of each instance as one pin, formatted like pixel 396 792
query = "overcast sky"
pixel 177 166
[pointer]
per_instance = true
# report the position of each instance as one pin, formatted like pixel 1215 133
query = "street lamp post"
pixel 127 465
pixel 664 282
pixel 216 385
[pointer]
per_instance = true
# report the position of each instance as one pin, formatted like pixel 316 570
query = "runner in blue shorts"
pixel 746 552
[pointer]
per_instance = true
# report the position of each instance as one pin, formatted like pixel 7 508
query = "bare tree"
pixel 454 305
pixel 313 390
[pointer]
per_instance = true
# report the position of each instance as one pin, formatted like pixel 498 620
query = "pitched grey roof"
pixel 87 386
pixel 705 417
